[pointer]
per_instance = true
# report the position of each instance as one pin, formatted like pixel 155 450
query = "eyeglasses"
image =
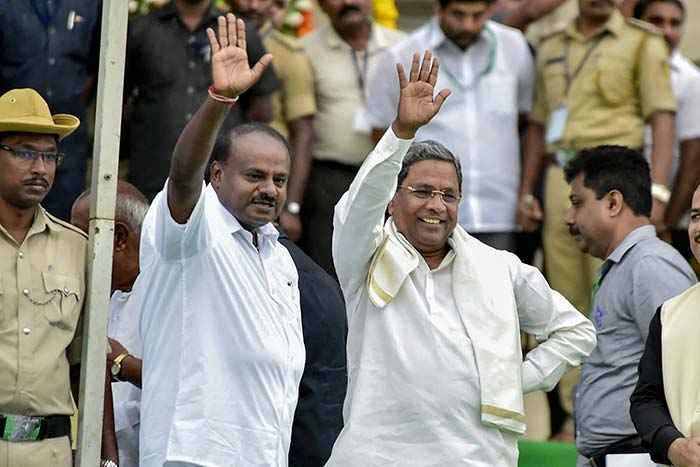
pixel 420 193
pixel 30 155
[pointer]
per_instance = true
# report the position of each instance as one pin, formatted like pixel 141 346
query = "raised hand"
pixel 417 106
pixel 230 73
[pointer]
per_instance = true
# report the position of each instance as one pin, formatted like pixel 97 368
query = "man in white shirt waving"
pixel 220 323
pixel 436 374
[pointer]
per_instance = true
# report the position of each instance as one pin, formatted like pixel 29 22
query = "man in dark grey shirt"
pixel 609 218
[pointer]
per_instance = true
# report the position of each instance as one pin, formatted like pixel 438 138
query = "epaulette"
pixel 648 27
pixel 65 224
pixel 288 41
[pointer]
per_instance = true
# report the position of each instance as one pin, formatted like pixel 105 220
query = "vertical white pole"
pixel 110 84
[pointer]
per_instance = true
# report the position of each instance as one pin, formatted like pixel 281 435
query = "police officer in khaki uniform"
pixel 42 289
pixel 598 81
pixel 294 104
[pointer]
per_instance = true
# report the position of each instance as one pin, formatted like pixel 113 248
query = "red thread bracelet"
pixel 220 98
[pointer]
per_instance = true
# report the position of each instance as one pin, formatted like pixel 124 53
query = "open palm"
pixel 417 106
pixel 231 75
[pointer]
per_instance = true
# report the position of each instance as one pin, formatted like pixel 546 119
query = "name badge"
pixel 360 124
pixel 557 125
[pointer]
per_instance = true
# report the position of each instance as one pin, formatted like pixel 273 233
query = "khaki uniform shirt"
pixel 341 130
pixel 623 82
pixel 296 99
pixel 42 287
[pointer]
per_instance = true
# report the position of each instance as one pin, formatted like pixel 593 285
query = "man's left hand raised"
pixel 417 106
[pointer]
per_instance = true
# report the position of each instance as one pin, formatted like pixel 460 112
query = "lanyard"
pixel 46 14
pixel 361 72
pixel 571 77
pixel 489 66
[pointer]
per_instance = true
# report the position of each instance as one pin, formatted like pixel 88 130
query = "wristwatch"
pixel 116 368
pixel 108 463
pixel 293 208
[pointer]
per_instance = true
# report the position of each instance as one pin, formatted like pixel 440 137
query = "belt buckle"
pixel 21 428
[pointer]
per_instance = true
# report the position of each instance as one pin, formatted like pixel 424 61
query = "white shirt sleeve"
pixel 174 241
pixel 565 336
pixel 359 215
pixel 526 77
pixel 688 110
pixel 383 92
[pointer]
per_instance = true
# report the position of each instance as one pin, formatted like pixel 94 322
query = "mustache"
pixel 37 180
pixel 574 231
pixel 349 9
pixel 265 199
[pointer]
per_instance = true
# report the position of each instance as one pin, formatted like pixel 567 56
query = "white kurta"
pixel 124 310
pixel 413 396
pixel 223 351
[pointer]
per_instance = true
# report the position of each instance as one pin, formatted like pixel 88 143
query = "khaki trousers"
pixel 51 452
pixel 569 271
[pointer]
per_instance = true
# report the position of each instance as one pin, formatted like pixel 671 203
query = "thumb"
pixel 536 210
pixel 441 96
pixel 260 67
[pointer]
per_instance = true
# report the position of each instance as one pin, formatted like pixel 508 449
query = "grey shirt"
pixel 637 277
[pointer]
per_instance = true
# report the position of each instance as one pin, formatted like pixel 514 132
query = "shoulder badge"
pixel 65 224
pixel 648 27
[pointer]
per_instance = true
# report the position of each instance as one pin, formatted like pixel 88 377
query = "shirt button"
pixel 191 39
pixel 190 90
pixel 25 291
pixel 66 291
pixel 49 93
pixel 26 331
pixel 188 117
pixel 52 30
pixel 52 61
pixel 191 64
pixel 578 432
pixel 21 255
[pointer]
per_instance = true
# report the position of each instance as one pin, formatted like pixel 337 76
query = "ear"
pixel 390 207
pixel 614 202
pixel 215 172
pixel 437 10
pixel 121 236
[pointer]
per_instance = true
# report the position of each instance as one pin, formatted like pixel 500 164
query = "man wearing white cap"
pixel 42 291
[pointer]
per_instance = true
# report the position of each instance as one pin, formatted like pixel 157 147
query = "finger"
pixel 223 35
pixel 402 76
pixel 432 79
pixel 259 67
pixel 241 40
pixel 231 22
pixel 441 96
pixel 213 43
pixel 425 66
pixel 537 210
pixel 414 67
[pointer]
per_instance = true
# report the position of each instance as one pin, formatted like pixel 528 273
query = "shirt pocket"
pixel 61 301
pixel 555 85
pixel 500 95
pixel 615 80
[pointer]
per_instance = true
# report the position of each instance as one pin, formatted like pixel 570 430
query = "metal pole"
pixel 104 188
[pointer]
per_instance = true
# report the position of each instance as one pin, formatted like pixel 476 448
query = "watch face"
pixel 115 369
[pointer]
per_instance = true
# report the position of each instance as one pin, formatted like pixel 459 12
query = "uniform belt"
pixel 27 428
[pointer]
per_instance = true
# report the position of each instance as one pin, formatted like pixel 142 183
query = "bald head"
pixel 130 209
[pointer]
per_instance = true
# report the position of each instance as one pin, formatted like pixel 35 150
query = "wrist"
pixel 660 193
pixel 402 131
pixel 108 463
pixel 222 97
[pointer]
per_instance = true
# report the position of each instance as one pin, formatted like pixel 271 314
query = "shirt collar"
pixel 437 37
pixel 169 11
pixel 266 232
pixel 377 38
pixel 614 25
pixel 637 235
pixel 40 223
